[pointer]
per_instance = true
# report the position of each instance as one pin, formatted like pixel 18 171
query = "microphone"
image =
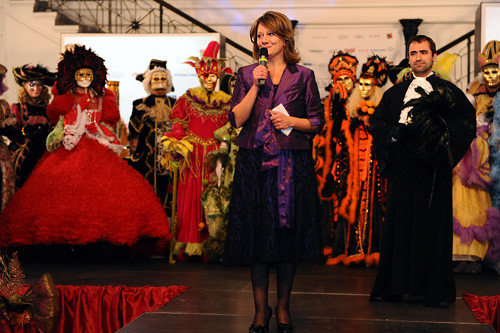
pixel 262 61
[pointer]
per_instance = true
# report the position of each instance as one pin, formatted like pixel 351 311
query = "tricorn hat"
pixel 155 65
pixel 29 73
pixel 152 64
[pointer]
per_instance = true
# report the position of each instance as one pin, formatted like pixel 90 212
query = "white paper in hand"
pixel 281 108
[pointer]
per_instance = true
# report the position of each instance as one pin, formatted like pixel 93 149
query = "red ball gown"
pixel 83 192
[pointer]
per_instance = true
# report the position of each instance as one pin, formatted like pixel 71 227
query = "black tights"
pixel 260 285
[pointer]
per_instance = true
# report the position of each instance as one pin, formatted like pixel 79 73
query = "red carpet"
pixel 103 309
pixel 486 309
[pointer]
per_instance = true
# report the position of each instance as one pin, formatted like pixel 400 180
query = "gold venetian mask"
pixel 491 76
pixel 347 82
pixel 366 87
pixel 84 77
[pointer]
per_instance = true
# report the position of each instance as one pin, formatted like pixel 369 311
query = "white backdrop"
pixel 128 55
pixel 317 44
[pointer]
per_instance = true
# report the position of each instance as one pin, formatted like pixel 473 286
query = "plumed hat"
pixel 490 56
pixel 377 68
pixel 343 64
pixel 77 57
pixel 28 73
pixel 155 66
pixel 208 63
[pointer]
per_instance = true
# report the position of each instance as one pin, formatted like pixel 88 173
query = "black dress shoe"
pixel 377 299
pixel 443 304
pixel 392 298
pixel 259 328
pixel 285 328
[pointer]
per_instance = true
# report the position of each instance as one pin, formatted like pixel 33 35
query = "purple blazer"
pixel 297 91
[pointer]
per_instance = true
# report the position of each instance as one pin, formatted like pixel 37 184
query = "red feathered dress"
pixel 202 114
pixel 83 192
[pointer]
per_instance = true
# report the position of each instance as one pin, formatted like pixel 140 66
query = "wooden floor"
pixel 324 299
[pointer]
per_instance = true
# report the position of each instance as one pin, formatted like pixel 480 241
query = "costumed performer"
pixel 195 116
pixel 421 129
pixel 476 222
pixel 149 121
pixel 495 168
pixel 7 122
pixel 215 197
pixel 228 82
pixel 337 140
pixel 275 213
pixel 32 124
pixel 361 212
pixel 82 192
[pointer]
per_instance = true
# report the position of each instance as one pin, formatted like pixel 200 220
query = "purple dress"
pixel 275 214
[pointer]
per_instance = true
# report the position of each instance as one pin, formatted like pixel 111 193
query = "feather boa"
pixel 428 127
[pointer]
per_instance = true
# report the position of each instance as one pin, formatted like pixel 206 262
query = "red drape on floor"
pixel 486 309
pixel 103 309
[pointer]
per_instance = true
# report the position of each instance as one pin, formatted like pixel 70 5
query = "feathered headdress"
pixel 208 63
pixel 75 58
pixel 377 68
pixel 28 73
pixel 490 56
pixel 343 64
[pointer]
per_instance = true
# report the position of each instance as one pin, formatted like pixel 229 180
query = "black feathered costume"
pixel 416 254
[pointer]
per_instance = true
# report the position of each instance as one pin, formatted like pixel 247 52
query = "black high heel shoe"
pixel 283 328
pixel 259 328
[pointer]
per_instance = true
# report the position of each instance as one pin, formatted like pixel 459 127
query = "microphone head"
pixel 263 53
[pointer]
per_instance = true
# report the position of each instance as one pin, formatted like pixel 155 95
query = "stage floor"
pixel 324 299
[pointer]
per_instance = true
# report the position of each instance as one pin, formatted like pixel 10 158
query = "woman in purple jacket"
pixel 274 215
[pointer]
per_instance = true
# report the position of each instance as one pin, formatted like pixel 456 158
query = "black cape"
pixel 416 253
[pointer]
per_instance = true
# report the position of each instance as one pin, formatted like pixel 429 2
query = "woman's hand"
pixel 281 121
pixel 259 72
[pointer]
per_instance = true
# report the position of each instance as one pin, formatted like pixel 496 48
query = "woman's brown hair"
pixel 281 25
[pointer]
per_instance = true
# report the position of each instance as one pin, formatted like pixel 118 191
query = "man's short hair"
pixel 421 39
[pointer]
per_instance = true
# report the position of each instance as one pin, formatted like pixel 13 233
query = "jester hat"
pixel 208 63
pixel 490 56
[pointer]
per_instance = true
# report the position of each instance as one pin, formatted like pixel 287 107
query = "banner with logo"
pixel 317 45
